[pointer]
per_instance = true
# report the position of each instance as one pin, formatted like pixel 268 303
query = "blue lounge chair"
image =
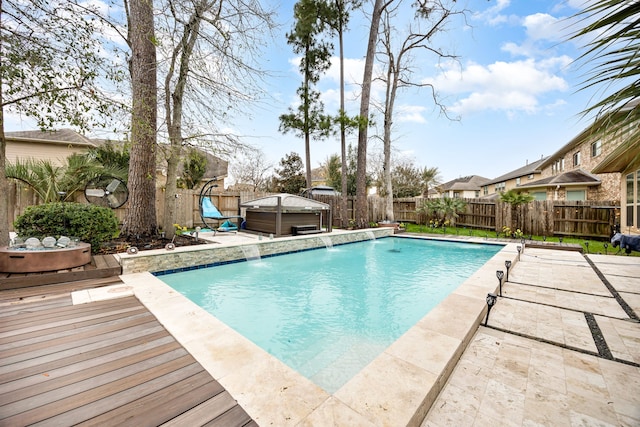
pixel 209 212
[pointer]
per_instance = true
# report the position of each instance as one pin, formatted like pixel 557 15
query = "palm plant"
pixel 614 57
pixel 516 199
pixel 445 209
pixel 54 183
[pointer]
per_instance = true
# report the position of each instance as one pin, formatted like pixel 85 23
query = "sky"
pixel 513 90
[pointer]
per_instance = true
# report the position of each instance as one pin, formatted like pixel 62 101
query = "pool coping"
pixel 396 388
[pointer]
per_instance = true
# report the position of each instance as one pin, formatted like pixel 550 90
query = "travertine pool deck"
pixel 536 363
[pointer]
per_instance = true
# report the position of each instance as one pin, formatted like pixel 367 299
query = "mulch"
pixel 145 244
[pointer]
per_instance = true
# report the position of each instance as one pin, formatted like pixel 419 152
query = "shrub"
pixel 91 224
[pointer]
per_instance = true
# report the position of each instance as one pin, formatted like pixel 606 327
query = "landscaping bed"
pixel 120 245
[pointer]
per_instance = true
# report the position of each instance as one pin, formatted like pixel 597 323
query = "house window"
pixel 576 159
pixel 486 190
pixel 631 203
pixel 596 148
pixel 456 194
pixel 518 182
pixel 558 166
pixel 477 193
pixel 530 176
pixel 637 221
pixel 539 195
pixel 576 195
pixel 500 187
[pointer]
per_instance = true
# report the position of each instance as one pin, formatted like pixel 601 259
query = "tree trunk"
pixel 173 111
pixel 171 188
pixel 140 220
pixel 4 183
pixel 362 214
pixel 390 97
pixel 344 217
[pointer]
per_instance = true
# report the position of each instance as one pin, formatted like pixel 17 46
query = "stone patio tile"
pixel 332 412
pixel 455 407
pixel 622 337
pixel 590 411
pixel 546 407
pixel 470 378
pixel 388 391
pixel 623 283
pixel 503 403
pixel 633 299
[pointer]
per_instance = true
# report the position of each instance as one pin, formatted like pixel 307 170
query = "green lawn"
pixel 589 246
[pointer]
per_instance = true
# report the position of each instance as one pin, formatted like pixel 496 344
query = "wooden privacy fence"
pixel 540 218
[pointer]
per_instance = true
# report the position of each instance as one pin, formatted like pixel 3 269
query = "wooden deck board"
pixel 101 363
pixel 101 266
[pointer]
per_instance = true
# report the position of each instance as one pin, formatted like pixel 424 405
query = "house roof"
pixel 624 157
pixel 60 137
pixel 590 132
pixel 520 172
pixel 471 182
pixel 324 190
pixel 577 177
pixel 287 202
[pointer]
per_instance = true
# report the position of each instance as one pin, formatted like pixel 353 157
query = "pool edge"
pixel 410 372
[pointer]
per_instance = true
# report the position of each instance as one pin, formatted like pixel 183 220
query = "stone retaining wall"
pixel 185 258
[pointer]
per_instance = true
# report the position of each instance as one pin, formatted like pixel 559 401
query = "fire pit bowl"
pixel 20 260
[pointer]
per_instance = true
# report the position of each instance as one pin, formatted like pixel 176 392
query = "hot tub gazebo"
pixel 286 214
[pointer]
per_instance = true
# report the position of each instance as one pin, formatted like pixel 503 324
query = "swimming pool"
pixel 328 312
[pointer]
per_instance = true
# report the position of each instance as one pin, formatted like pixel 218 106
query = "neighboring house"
pixel 54 146
pixel 320 190
pixel 625 161
pixel 512 180
pixel 468 187
pixel 567 174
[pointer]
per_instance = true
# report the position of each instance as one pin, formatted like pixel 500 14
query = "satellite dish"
pixel 106 191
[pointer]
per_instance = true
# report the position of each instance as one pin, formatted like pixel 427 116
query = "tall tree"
pixel 212 48
pixel 251 169
pixel 409 180
pixel 361 209
pixel 611 26
pixel 430 178
pixel 309 120
pixel 332 170
pixel 339 24
pixel 194 168
pixel 290 177
pixel 430 18
pixel 50 66
pixel 140 220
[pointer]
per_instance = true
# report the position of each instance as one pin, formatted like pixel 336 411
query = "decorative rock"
pixel 49 242
pixel 32 243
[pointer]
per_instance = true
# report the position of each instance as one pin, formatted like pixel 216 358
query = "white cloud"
pixel 492 15
pixel 410 114
pixel 502 86
pixel 542 26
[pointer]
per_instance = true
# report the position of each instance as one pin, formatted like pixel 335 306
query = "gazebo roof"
pixel 286 201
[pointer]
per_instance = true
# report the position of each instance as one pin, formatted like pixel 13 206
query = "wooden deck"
pixel 101 363
pixel 101 266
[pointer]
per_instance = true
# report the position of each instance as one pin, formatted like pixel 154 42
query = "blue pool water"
pixel 327 313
